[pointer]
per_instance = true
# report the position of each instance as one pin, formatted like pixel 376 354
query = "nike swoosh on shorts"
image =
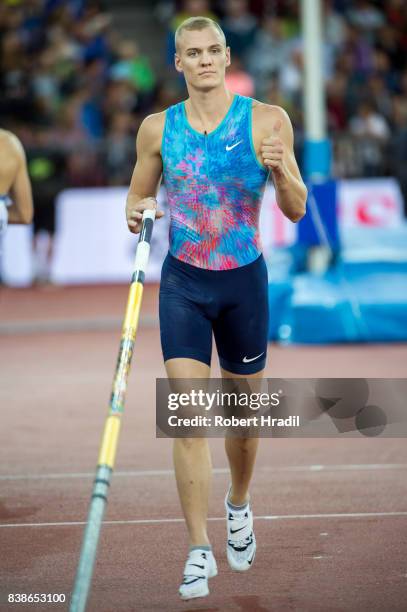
pixel 247 360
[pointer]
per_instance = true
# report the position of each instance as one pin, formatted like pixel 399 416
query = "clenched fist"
pixel 134 213
pixel 272 150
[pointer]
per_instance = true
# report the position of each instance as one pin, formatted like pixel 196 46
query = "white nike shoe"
pixel 200 566
pixel 241 542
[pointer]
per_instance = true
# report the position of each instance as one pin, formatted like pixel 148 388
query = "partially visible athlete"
pixel 214 151
pixel 16 204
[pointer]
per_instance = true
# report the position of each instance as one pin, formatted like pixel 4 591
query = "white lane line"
pixel 338 467
pixel 141 473
pixel 271 517
pixel 70 325
pixel 126 473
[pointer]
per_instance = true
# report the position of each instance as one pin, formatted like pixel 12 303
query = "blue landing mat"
pixel 357 303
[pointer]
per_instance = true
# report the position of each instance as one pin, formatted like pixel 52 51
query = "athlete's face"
pixel 202 57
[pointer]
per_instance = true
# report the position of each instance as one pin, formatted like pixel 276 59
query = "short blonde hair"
pixel 198 23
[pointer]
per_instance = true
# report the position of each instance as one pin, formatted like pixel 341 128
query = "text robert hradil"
pixel 205 400
pixel 220 421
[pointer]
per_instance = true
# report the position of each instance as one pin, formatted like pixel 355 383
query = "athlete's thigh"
pixel 186 368
pixel 185 330
pixel 241 330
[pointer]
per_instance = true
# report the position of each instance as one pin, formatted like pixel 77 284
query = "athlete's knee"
pixel 191 444
pixel 243 444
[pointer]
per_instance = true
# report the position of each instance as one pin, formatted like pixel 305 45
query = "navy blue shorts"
pixel 233 304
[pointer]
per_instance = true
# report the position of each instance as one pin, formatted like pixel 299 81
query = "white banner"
pixel 93 245
pixel 369 203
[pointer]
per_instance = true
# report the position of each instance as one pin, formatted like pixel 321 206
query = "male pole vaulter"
pixel 214 151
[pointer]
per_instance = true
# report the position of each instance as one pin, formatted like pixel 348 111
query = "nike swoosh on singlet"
pixel 246 360
pixel 230 147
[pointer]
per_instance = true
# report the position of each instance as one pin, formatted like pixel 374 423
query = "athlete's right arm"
pixel 147 172
pixel 21 209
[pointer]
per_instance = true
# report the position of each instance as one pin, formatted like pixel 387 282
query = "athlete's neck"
pixel 207 109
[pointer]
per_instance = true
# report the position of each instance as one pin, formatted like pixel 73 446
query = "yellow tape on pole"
pixel 133 307
pixel 109 442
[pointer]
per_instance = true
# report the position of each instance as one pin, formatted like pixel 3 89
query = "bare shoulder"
pixel 153 123
pixel 265 116
pixel 10 144
pixel 150 132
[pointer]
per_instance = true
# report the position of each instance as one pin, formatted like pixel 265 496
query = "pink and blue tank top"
pixel 214 186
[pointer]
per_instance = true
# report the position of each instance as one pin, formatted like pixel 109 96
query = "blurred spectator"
pixel 135 68
pixel 168 93
pixel 336 103
pixel 369 123
pixel 396 12
pixel 269 53
pixel 84 168
pixel 90 113
pixel 273 95
pixel 239 26
pixel 370 126
pixel 92 33
pixel 361 52
pixel 192 8
pixel 398 144
pixel 402 89
pixel 45 85
pixel 69 132
pixel 16 99
pixel 365 16
pixel 291 76
pixel 67 59
pixel 381 65
pixel 334 25
pixel 289 12
pixel 120 96
pixel 189 8
pixel 376 90
pixel 120 149
pixel 238 79
pixel 389 41
pixel 46 167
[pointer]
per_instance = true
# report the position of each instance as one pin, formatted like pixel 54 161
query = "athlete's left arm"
pixel 21 209
pixel 277 151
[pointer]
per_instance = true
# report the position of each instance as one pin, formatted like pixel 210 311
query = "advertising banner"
pixel 93 245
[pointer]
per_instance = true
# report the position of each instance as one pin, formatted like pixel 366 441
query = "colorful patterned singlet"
pixel 214 185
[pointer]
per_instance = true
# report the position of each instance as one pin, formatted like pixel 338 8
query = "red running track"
pixel 331 514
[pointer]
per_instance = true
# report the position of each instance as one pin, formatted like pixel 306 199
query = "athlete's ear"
pixel 177 62
pixel 228 60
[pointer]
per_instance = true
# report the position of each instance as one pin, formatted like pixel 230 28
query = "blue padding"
pixel 361 307
pixel 325 199
pixel 280 294
pixel 377 249
pixel 317 159
pixel 362 299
